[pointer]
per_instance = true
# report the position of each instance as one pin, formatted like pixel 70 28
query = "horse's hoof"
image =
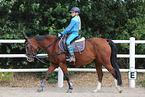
pixel 40 89
pixel 96 90
pixel 69 91
pixel 119 89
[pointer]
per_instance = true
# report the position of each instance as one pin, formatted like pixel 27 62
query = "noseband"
pixel 31 50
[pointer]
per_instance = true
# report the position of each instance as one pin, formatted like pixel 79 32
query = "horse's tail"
pixel 114 60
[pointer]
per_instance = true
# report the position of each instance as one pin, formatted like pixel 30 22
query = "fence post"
pixel 132 72
pixel 60 78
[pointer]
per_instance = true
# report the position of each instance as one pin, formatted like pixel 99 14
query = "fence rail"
pixel 69 69
pixel 45 55
pixel 131 71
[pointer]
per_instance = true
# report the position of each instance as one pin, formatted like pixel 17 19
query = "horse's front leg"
pixel 69 83
pixel 50 70
pixel 65 71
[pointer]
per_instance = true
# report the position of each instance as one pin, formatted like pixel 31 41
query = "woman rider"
pixel 73 28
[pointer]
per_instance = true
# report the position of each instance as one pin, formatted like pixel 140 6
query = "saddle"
pixel 78 44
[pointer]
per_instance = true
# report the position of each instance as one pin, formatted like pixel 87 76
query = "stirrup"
pixel 71 59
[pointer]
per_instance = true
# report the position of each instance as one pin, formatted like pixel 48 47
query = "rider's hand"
pixel 59 35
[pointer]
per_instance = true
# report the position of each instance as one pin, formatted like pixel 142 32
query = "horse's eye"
pixel 27 48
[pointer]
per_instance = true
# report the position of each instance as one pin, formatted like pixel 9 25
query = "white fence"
pixel 132 72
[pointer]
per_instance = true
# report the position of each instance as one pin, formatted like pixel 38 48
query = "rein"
pixel 34 55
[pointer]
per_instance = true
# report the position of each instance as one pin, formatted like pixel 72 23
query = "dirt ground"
pixel 77 92
pixel 26 84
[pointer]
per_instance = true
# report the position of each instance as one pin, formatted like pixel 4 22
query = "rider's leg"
pixel 71 37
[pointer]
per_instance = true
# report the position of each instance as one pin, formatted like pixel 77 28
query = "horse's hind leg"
pixel 113 72
pixel 50 70
pixel 100 76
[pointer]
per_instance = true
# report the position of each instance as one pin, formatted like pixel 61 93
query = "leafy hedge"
pixel 112 19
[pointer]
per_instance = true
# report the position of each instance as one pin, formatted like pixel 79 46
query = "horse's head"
pixel 31 49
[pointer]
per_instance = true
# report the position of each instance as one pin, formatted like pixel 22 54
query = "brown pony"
pixel 100 51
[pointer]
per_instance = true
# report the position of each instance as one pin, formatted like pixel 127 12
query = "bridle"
pixel 31 53
pixel 31 50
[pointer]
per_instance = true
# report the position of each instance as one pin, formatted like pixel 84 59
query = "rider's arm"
pixel 69 27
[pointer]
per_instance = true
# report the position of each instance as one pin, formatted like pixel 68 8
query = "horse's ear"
pixel 25 37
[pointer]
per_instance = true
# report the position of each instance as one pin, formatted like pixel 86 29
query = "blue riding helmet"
pixel 75 9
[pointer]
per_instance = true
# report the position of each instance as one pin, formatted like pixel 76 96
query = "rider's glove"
pixel 59 35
